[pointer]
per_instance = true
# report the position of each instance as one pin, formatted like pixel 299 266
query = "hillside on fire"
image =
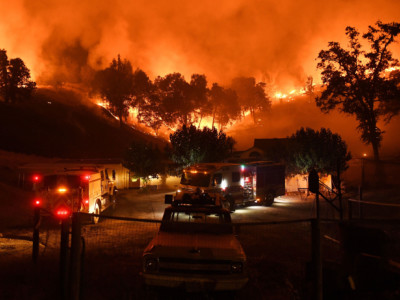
pixel 60 123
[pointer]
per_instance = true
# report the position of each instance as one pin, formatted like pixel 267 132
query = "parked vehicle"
pixel 86 189
pixel 195 248
pixel 256 182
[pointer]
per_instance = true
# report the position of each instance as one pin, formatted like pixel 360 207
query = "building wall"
pixel 169 182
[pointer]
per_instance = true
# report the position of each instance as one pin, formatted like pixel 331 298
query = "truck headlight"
pixel 237 267
pixel 150 264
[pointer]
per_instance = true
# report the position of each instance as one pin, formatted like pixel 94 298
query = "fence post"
pixel 74 283
pixel 350 209
pixel 360 207
pixel 64 257
pixel 316 258
pixel 339 183
pixel 35 238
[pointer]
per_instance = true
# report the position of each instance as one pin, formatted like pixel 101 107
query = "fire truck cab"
pixel 239 184
pixel 87 190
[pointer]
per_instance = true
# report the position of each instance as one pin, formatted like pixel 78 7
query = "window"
pixel 235 177
pixel 199 222
pixel 217 179
pixel 195 179
pixel 255 154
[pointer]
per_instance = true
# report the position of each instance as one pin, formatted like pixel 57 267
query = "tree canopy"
pixel 251 95
pixel 115 84
pixel 224 105
pixel 356 81
pixel 144 160
pixel 322 150
pixel 15 79
pixel 172 101
pixel 179 99
pixel 191 145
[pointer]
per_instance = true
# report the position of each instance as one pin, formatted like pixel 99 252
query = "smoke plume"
pixel 274 41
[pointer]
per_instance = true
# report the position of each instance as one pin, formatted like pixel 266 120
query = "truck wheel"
pixel 113 201
pixel 269 199
pixel 97 210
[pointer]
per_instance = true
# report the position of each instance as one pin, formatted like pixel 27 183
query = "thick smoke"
pixel 286 118
pixel 274 41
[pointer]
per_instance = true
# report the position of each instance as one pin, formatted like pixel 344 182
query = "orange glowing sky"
pixel 274 41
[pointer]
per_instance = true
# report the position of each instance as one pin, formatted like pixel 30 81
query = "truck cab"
pixel 196 248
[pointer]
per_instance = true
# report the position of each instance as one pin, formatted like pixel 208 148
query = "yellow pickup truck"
pixel 195 249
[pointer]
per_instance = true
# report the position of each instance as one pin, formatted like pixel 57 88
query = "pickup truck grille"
pixel 194 266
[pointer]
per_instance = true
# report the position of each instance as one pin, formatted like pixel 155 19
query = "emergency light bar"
pixel 36 178
pixel 62 190
pixel 63 213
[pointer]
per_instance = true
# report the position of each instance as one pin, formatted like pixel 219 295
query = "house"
pixel 264 149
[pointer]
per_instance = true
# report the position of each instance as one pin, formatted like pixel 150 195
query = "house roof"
pixel 268 144
pixel 269 149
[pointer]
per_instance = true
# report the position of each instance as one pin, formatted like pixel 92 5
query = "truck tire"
pixel 97 210
pixel 113 200
pixel 269 198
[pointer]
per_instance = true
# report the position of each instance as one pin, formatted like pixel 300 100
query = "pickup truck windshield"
pixel 195 179
pixel 196 222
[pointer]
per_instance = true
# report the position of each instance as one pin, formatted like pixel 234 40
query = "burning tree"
pixel 356 82
pixel 224 105
pixel 251 95
pixel 173 91
pixel 115 84
pixel 142 89
pixel 15 79
pixel 199 95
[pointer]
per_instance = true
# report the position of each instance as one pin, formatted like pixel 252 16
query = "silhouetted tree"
pixel 356 83
pixel 251 95
pixel 115 84
pixel 4 75
pixel 15 79
pixel 152 112
pixel 142 89
pixel 322 150
pixel 144 160
pixel 199 94
pixel 191 145
pixel 224 105
pixel 174 93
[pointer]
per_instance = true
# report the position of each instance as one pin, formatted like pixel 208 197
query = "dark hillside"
pixel 59 124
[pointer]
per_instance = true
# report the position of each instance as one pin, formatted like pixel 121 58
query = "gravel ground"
pixel 278 255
